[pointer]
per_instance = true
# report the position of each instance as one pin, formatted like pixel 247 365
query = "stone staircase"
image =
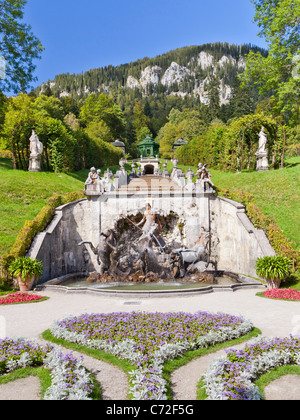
pixel 150 183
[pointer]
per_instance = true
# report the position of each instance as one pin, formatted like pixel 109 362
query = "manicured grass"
pixel 175 364
pixel 275 374
pixel 43 374
pixel 109 358
pixel 23 195
pixel 277 194
pixel 5 289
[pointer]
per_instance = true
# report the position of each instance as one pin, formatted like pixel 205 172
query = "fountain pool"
pixel 77 283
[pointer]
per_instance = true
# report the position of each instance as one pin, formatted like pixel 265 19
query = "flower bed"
pixel 70 381
pixel 232 377
pixel 287 294
pixel 148 340
pixel 20 298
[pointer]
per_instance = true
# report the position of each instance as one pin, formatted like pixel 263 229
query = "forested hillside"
pixel 113 78
pixel 195 93
pixel 201 77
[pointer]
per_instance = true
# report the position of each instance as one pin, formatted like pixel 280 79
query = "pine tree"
pixel 214 98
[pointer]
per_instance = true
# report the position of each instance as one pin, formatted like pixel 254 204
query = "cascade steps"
pixel 149 183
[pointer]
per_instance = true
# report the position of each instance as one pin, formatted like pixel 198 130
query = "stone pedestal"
pixel 262 163
pixel 36 150
pixel 34 164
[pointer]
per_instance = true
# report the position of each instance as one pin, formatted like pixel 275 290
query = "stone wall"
pixel 235 243
pixel 57 247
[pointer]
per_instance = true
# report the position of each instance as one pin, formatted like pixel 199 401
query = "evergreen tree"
pixel 214 98
pixel 243 100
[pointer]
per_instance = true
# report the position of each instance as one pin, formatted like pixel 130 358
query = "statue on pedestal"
pixel 36 149
pixel 92 178
pixel 262 152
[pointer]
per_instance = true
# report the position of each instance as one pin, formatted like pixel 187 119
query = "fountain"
pixel 139 260
pixel 154 233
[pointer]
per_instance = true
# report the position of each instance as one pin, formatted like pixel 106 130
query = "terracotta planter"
pixel 26 286
pixel 273 284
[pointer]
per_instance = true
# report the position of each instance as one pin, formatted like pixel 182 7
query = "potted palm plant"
pixel 274 270
pixel 26 270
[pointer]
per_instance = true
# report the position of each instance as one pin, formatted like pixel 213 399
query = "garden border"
pixel 61 367
pixel 152 375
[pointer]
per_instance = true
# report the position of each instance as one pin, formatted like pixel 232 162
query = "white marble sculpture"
pixel 36 149
pixel 262 153
pixel 263 140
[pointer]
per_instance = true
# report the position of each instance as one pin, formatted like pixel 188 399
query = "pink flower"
pixel 290 294
pixel 19 298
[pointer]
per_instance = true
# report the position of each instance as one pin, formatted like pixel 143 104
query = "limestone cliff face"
pixel 184 71
pixel 150 75
pixel 200 70
pixel 174 74
pixel 205 60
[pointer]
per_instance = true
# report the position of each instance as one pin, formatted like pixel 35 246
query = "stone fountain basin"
pixel 67 284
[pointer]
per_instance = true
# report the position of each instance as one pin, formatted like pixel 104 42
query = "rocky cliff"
pixel 185 71
pixel 177 75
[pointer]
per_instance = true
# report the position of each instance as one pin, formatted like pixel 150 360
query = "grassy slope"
pixel 23 194
pixel 277 194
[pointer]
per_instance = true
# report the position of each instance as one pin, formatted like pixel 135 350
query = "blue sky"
pixel 79 35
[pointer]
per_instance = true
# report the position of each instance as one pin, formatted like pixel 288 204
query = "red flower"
pixel 19 298
pixel 290 294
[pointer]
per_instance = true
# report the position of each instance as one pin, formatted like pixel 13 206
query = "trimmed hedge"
pixel 33 227
pixel 279 242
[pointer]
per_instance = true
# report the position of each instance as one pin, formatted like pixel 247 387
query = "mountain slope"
pixel 184 71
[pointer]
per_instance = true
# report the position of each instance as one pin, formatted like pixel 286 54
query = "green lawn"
pixel 277 194
pixel 23 194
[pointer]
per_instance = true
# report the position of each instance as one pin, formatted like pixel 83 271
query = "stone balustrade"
pixel 110 182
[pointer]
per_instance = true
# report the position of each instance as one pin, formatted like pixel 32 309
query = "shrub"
pixel 233 377
pixel 273 269
pixel 24 267
pixel 148 340
pixel 6 154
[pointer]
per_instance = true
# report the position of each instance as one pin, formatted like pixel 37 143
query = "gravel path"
pixel 185 379
pixel 114 382
pixel 27 389
pixel 273 318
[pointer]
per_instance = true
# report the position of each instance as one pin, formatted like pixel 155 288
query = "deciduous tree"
pixel 277 74
pixel 18 46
